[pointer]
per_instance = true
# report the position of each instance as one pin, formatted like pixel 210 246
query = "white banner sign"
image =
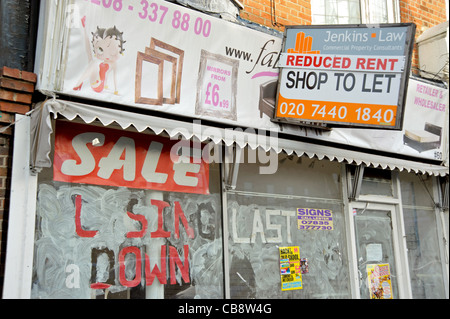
pixel 425 128
pixel 155 55
pixel 159 56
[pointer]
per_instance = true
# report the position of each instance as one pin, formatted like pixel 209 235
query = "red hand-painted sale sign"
pixel 102 156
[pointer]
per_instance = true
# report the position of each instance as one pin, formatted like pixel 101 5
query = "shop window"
pixel 417 190
pixel 376 182
pixel 376 252
pixel 369 181
pixel 298 206
pixel 424 259
pixel 443 188
pixel 425 264
pixel 322 177
pixel 354 11
pixel 95 240
pixel 446 227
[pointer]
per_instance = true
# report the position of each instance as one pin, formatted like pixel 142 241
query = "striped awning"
pixel 42 128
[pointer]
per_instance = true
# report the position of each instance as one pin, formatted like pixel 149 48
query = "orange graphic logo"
pixel 303 45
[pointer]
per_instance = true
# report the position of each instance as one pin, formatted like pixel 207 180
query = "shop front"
pixel 215 227
pixel 111 201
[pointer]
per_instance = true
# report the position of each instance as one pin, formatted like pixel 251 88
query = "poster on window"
pixel 379 281
pixel 290 268
pixel 314 219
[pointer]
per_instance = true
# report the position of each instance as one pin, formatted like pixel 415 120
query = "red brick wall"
pixel 5 161
pixel 425 14
pixel 16 91
pixel 288 12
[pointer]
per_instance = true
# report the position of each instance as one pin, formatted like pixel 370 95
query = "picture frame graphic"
pixel 158 100
pixel 166 58
pixel 156 44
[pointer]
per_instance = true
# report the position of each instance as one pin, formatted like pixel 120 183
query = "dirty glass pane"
pixel 446 222
pixel 376 182
pixel 349 11
pixel 416 190
pixel 425 265
pixel 105 242
pixel 374 245
pixel 299 176
pixel 263 216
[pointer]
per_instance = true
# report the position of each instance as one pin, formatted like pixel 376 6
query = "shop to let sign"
pixel 102 156
pixel 290 268
pixel 345 75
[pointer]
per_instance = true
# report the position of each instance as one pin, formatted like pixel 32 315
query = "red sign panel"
pixel 103 156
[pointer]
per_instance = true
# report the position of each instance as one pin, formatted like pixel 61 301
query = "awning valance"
pixel 41 130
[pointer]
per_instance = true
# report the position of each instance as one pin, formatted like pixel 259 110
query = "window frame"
pixel 393 12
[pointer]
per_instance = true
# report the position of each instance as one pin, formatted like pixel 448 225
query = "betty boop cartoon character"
pixel 107 46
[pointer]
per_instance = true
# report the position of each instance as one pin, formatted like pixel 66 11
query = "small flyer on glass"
pixel 290 268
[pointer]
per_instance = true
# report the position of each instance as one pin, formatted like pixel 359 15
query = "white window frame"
pixel 393 9
pixel 395 205
pixel 22 217
pixel 399 244
pixel 388 203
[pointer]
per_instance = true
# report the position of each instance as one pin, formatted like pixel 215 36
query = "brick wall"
pixel 16 91
pixel 425 14
pixel 287 12
pixel 5 160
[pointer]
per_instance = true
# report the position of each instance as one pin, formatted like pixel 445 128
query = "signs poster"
pixel 314 219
